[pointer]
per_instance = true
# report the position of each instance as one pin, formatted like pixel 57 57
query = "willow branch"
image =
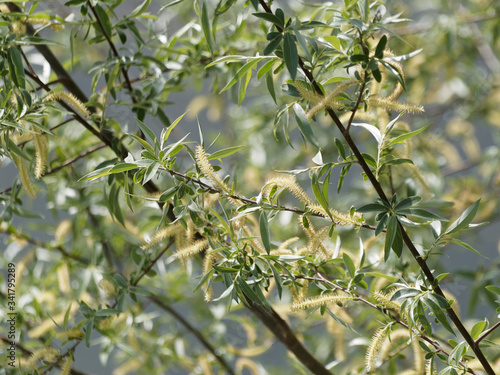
pixel 487 332
pixel 195 332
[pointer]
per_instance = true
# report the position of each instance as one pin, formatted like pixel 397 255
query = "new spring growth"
pixel 321 300
pixel 289 183
pixel 66 367
pixel 70 100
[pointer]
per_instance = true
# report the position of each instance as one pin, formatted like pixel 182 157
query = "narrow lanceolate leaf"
pixel 172 126
pixel 140 9
pixel 304 125
pixel 225 152
pixel 205 25
pixel 248 292
pixel 270 18
pixel 270 86
pixel 403 57
pixel 465 219
pixel 465 245
pixel 147 131
pixel 379 51
pixel 241 73
pixel 372 129
pixel 438 314
pixel 419 212
pixel 290 55
pixel 405 136
pixel 392 228
pixel 264 232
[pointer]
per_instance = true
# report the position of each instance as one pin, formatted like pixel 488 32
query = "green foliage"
pixel 141 218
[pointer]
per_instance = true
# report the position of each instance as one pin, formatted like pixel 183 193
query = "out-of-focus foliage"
pixel 334 159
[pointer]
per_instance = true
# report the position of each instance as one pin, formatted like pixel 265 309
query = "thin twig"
pixel 195 332
pixel 487 332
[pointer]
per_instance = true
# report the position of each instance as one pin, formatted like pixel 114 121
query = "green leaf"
pixel 403 57
pixel 273 44
pixel 248 292
pixel 140 9
pixel 89 326
pixel 407 202
pixel 96 174
pixel 277 279
pixel 225 152
pixel 466 246
pixel 290 55
pixel 405 136
pixel 392 227
pixel 172 126
pixel 419 212
pixel 227 59
pixel 349 264
pixel 243 87
pixel 372 129
pixel 203 280
pixel 205 25
pixel 379 51
pixel 493 289
pixel 318 194
pixel 477 329
pixel 16 68
pixel 270 18
pixel 241 73
pixel 438 313
pixel 373 207
pixel 122 167
pixel 264 231
pixel 304 125
pixel 405 293
pixel 147 131
pixel 270 86
pixel 465 219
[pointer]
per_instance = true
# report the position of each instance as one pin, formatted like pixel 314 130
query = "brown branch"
pixel 115 51
pixel 487 332
pixel 284 333
pixel 195 332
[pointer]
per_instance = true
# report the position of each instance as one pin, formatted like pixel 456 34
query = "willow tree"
pixel 313 206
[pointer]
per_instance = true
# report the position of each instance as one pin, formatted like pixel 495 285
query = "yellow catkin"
pixel 431 369
pixel 418 357
pixel 24 176
pixel 45 22
pixel 48 354
pixel 66 367
pixel 208 171
pixel 192 249
pixel 73 333
pixel 384 299
pixel 289 183
pixel 107 287
pixel 252 351
pixel 247 363
pixel 162 234
pixel 317 246
pixel 306 93
pixel 287 243
pixel 393 105
pixel 208 262
pixel 63 279
pixel 396 338
pixel 338 217
pixel 374 348
pixel 4 8
pixel 41 153
pixel 329 101
pixel 321 300
pixel 204 363
pixel 70 100
pixel 62 230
